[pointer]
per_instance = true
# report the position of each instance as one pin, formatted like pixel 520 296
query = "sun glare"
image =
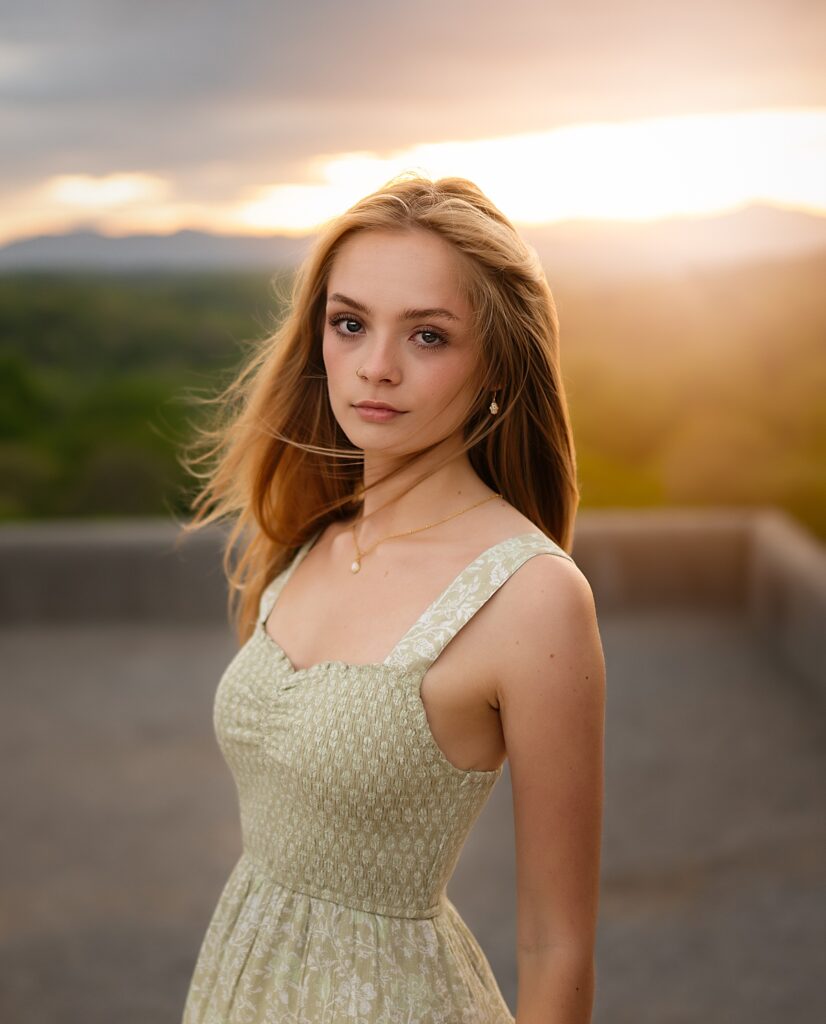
pixel 637 170
pixel 632 170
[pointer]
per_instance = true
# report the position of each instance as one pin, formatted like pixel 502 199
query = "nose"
pixel 379 363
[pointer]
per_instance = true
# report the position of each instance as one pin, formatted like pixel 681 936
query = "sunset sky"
pixel 251 117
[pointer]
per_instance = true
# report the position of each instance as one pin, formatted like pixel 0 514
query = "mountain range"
pixel 600 249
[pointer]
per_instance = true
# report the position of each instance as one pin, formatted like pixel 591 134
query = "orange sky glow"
pixel 624 170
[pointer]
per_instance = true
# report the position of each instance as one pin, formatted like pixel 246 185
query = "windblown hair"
pixel 274 460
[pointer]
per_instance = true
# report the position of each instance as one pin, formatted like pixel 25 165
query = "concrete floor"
pixel 120 826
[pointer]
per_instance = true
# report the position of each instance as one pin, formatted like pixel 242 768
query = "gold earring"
pixel 494 408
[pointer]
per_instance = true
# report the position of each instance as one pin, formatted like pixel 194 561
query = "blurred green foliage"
pixel 95 373
pixel 703 389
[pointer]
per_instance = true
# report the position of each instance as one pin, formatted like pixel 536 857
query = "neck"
pixel 403 503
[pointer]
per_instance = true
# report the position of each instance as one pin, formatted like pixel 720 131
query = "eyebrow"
pixel 407 314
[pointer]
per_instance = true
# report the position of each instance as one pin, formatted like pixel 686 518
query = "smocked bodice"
pixel 344 794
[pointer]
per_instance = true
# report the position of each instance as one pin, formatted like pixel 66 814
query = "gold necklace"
pixel 356 564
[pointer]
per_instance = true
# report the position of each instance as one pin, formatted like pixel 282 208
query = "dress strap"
pixel 269 595
pixel 459 602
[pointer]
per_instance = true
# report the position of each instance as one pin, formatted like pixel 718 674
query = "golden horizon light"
pixel 638 170
pixel 635 170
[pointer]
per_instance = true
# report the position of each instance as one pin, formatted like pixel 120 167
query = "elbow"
pixel 577 946
pixel 573 957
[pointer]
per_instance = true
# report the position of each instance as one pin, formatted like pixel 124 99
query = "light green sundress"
pixel 352 822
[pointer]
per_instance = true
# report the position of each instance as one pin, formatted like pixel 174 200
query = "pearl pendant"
pixel 355 566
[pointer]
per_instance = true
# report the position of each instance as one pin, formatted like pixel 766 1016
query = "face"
pixel 398 334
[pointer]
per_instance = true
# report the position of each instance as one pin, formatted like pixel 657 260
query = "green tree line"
pixel 702 389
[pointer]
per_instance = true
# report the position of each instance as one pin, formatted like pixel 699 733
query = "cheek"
pixel 453 378
pixel 334 358
pixel 326 351
pixel 449 390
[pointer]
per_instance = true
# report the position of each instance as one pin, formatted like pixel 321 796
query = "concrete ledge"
pixel 124 570
pixel 650 558
pixel 146 570
pixel 787 593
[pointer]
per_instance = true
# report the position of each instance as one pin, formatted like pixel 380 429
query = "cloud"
pixel 219 97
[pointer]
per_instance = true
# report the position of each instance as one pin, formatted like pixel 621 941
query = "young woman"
pixel 398 466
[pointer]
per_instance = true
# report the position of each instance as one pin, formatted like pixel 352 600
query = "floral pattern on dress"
pixel 352 822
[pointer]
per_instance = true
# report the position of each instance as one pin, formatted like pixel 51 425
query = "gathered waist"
pixel 364 904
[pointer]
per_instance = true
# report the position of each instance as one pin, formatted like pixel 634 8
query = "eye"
pixel 345 324
pixel 430 339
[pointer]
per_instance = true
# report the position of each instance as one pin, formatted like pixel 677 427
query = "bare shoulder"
pixel 546 587
pixel 546 621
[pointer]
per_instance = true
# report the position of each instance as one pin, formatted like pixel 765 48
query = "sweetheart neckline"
pixel 333 662
pixel 440 755
pixel 416 670
pixel 281 581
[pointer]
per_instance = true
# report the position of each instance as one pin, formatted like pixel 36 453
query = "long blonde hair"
pixel 275 462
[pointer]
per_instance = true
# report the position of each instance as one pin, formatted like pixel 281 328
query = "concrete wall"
pixel 121 570
pixel 787 593
pixel 147 570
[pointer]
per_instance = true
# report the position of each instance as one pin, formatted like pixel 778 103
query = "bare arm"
pixel 552 705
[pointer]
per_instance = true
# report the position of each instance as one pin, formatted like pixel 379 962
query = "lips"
pixel 376 405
